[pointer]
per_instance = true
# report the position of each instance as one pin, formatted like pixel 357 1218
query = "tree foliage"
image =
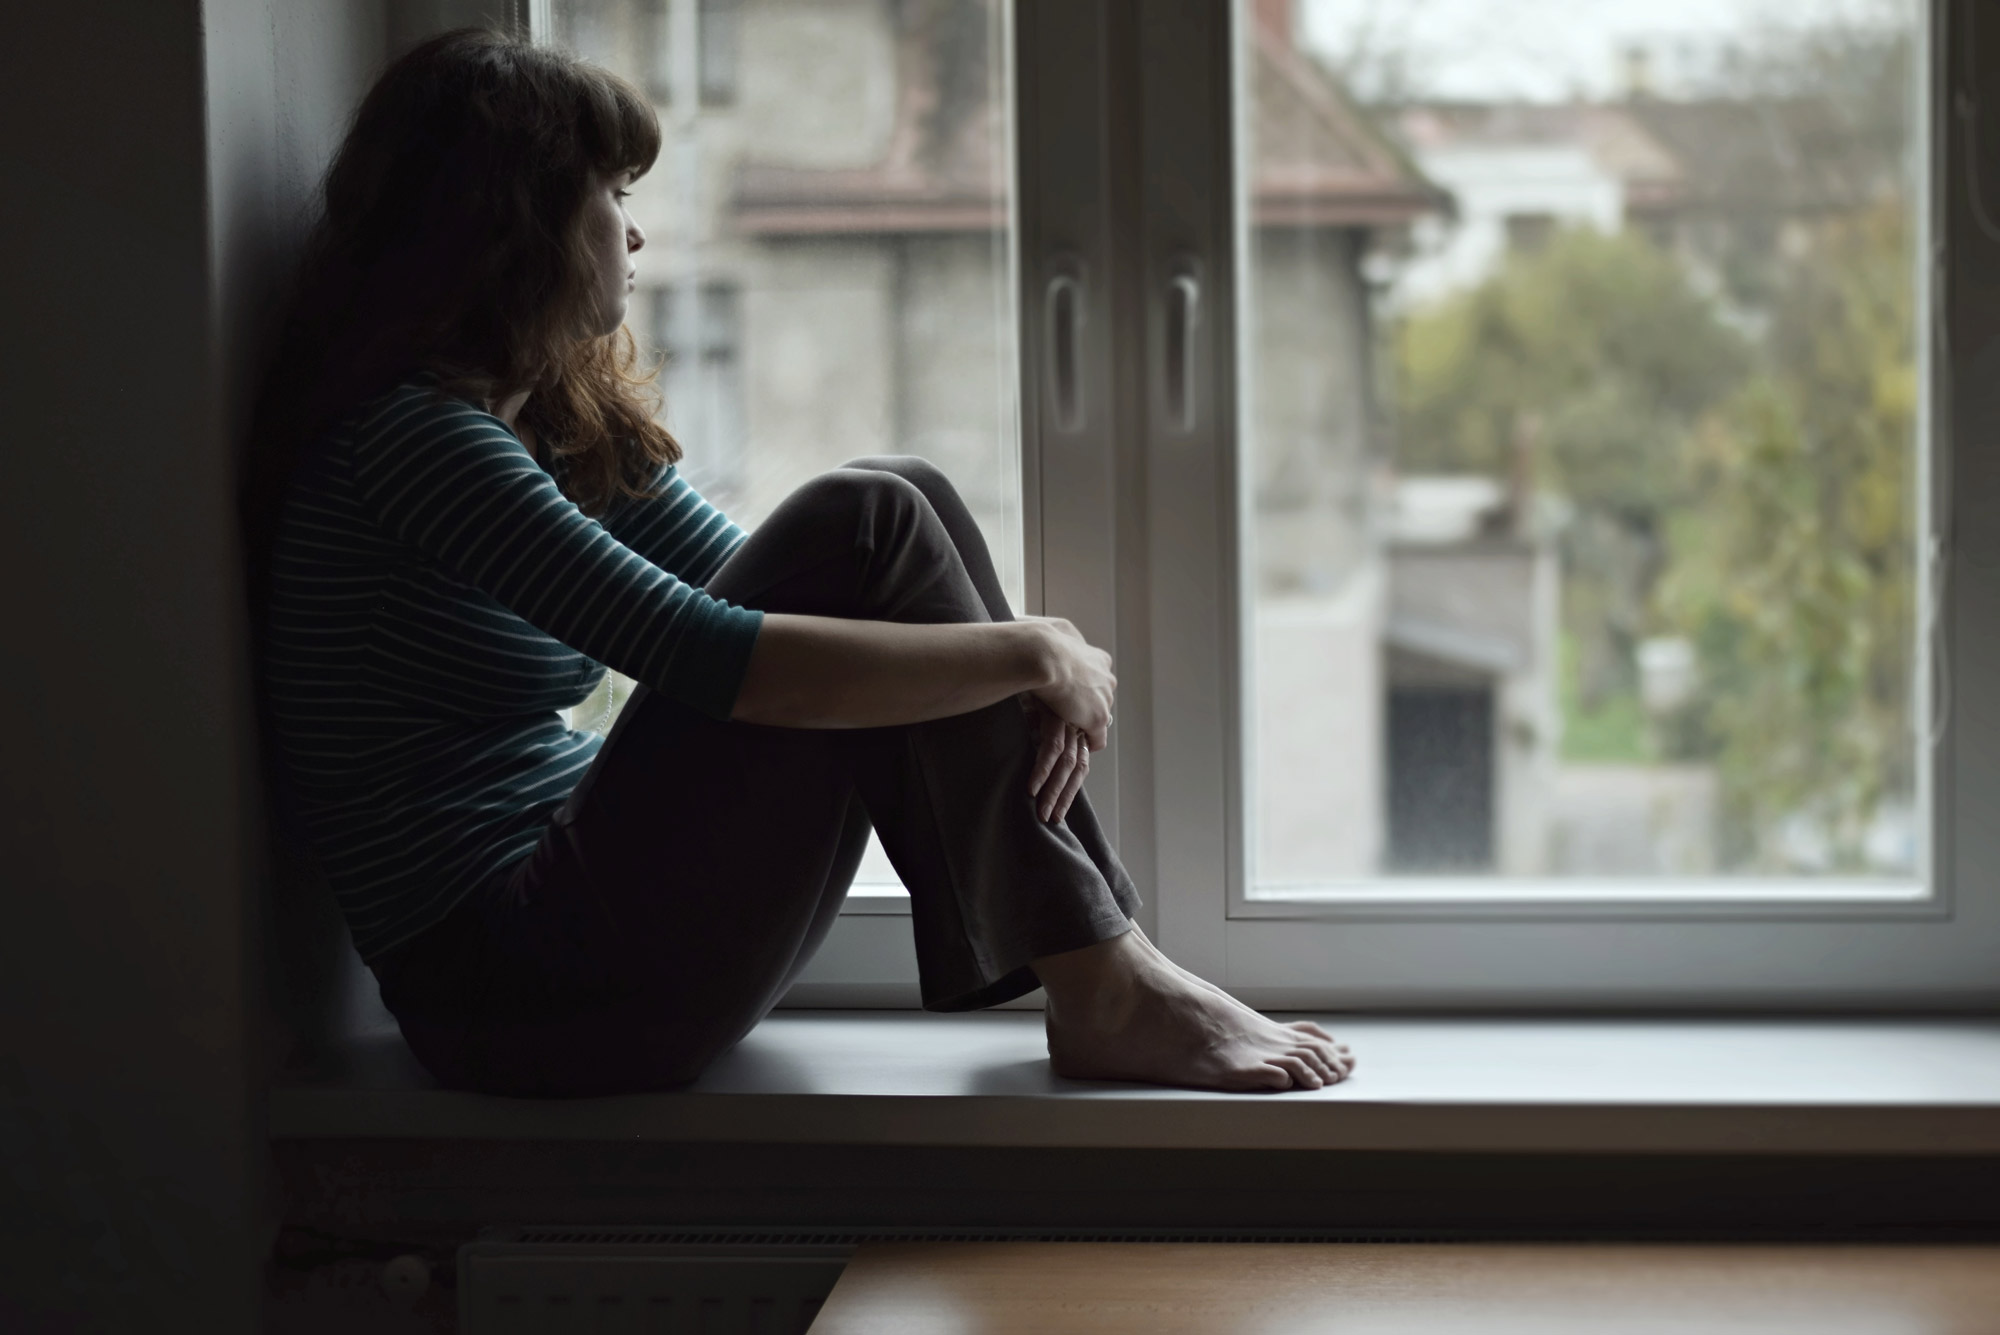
pixel 1580 370
pixel 1794 572
pixel 1755 496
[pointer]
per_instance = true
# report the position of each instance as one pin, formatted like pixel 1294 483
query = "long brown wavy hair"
pixel 449 239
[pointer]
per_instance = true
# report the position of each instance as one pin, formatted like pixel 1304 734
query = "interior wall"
pixel 158 154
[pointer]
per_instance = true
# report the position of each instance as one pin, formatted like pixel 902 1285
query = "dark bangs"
pixel 615 125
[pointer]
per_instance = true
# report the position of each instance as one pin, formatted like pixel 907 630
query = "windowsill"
pixel 1707 1086
pixel 877 899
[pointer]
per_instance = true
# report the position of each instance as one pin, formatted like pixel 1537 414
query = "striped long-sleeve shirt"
pixel 436 600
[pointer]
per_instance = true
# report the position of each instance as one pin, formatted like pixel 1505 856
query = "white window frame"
pixel 1125 156
pixel 1493 944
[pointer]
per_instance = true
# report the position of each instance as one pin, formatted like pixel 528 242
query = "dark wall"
pixel 154 157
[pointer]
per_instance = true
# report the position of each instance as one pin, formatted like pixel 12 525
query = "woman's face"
pixel 610 237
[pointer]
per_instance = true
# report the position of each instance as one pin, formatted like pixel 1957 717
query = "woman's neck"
pixel 508 409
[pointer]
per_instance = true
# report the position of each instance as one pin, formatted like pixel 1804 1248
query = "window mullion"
pixel 1065 112
pixel 1186 300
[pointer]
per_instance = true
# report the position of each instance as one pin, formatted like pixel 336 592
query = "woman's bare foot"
pixel 1120 1010
pixel 1303 1026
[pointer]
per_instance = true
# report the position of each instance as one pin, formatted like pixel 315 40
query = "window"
pixel 1511 485
pixel 643 40
pixel 718 19
pixel 700 342
pixel 1530 573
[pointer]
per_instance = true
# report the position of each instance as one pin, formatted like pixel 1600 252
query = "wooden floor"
pixel 1403 1289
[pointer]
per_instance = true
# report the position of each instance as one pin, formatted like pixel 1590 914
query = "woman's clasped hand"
pixel 1069 718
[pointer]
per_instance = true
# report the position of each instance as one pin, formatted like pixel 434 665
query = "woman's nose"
pixel 635 237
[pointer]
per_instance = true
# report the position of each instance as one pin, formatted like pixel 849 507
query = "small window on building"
pixel 656 49
pixel 702 342
pixel 719 20
pixel 715 46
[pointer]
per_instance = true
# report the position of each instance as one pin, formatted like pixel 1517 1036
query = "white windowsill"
pixel 877 898
pixel 1529 891
pixel 1828 1086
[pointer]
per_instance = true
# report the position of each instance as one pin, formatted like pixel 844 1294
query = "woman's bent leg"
pixel 991 885
pixel 995 849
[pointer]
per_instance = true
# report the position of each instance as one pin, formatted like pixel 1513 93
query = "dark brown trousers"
pixel 699 864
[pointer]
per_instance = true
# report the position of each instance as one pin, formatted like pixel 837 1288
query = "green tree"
pixel 1794 574
pixel 1580 370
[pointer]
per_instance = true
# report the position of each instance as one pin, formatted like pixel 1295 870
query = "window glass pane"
pixel 1580 395
pixel 828 269
pixel 718 50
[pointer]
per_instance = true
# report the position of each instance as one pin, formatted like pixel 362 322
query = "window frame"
pixel 1573 944
pixel 1125 150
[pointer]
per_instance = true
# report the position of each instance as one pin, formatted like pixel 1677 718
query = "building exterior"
pixel 1517 173
pixel 1727 185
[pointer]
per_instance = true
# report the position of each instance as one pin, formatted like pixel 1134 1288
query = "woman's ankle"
pixel 1091 976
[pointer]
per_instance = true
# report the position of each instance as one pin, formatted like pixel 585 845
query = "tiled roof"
pixel 1317 160
pixel 1779 155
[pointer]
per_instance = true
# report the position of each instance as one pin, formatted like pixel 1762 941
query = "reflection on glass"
pixel 1580 470
pixel 828 272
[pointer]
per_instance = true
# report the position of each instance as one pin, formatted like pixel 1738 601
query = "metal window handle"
pixel 1183 317
pixel 1064 342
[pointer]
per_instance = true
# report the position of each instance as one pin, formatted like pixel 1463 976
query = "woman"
pixel 462 510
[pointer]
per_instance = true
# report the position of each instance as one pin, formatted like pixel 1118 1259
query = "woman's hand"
pixel 1071 715
pixel 1079 684
pixel 1061 760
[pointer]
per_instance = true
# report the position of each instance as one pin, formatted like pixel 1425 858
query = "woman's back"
pixel 416 711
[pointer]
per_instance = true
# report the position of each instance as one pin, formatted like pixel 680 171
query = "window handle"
pixel 1064 343
pixel 1183 317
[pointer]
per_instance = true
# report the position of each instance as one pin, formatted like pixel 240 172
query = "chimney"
pixel 1275 17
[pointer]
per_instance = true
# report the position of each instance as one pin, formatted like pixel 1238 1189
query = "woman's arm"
pixel 452 484
pixel 677 528
pixel 827 672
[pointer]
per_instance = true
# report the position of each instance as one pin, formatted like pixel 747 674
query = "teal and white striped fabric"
pixel 436 601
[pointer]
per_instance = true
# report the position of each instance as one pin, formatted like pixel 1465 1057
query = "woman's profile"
pixel 461 510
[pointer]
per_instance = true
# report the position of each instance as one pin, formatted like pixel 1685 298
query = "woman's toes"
pixel 1335 1053
pixel 1318 1064
pixel 1300 1070
pixel 1336 1068
pixel 1273 1077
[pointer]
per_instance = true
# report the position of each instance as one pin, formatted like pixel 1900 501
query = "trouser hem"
pixel 1019 979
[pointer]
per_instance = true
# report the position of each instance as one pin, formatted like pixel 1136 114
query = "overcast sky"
pixel 1547 50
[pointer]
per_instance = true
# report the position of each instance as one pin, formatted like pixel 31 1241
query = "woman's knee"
pixel 849 491
pixel 882 510
pixel 918 471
